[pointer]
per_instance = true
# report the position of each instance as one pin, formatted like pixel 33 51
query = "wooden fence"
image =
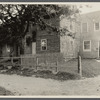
pixel 31 62
pixel 37 63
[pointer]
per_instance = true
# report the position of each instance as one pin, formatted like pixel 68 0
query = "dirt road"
pixel 31 86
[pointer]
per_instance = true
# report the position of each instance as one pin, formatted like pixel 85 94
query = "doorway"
pixel 33 48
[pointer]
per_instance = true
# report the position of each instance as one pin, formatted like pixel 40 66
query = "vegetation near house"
pixel 15 19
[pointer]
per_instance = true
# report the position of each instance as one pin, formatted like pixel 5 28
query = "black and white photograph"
pixel 50 49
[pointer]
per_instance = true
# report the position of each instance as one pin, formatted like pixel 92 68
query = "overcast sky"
pixel 92 7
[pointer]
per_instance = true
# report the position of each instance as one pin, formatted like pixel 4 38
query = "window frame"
pixel 41 44
pixel 95 28
pixel 87 49
pixel 82 27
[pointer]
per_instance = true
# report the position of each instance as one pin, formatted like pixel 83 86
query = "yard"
pixel 66 70
pixel 44 83
pixel 90 67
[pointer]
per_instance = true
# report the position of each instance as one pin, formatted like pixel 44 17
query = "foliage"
pixel 15 19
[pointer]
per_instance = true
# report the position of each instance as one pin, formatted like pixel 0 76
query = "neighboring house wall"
pixel 69 46
pixel 90 34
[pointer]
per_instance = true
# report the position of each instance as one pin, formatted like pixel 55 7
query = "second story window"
pixel 84 27
pixel 96 26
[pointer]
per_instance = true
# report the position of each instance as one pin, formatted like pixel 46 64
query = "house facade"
pixel 50 43
pixel 90 35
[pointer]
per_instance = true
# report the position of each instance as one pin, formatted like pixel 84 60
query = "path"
pixel 31 86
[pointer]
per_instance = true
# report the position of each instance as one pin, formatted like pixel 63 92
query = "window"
pixel 96 26
pixel 87 46
pixel 43 44
pixel 84 27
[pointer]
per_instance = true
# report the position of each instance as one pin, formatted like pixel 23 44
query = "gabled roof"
pixel 95 13
pixel 91 16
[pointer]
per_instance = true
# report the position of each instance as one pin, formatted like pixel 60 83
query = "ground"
pixel 4 92
pixel 32 86
pixel 88 85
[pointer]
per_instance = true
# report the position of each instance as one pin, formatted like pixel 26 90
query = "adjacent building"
pixel 90 35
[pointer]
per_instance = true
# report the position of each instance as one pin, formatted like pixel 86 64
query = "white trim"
pixel 94 26
pixel 88 49
pixel 46 44
pixel 82 28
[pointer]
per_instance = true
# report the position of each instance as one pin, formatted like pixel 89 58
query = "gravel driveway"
pixel 31 86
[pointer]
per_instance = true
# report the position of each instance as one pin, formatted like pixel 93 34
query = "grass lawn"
pixel 90 67
pixel 4 92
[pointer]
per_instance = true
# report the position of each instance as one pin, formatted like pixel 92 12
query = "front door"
pixel 33 48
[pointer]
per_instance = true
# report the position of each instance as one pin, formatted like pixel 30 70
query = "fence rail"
pixel 39 63
pixel 31 62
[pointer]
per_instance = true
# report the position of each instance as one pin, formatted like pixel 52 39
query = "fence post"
pixel 57 65
pixel 21 60
pixel 37 62
pixel 79 65
pixel 12 60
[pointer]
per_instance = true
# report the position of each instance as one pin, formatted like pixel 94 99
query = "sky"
pixel 91 7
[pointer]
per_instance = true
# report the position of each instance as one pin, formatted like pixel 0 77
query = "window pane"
pixel 84 27
pixel 86 45
pixel 43 47
pixel 86 42
pixel 96 26
pixel 44 44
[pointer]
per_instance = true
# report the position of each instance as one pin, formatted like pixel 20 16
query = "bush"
pixel 44 74
pixel 66 76
pixel 1 67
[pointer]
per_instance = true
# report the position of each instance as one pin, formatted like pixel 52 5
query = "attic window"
pixel 44 44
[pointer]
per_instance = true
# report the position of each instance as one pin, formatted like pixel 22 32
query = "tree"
pixel 15 19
